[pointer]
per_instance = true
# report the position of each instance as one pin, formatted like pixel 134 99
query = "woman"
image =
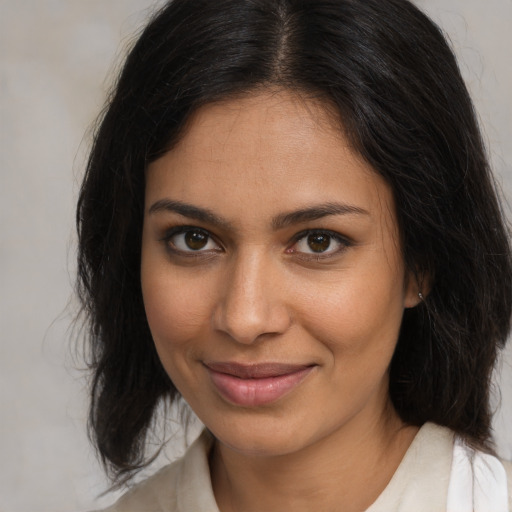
pixel 288 219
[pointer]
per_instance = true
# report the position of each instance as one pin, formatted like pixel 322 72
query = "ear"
pixel 417 287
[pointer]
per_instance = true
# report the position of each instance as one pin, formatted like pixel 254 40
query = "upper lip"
pixel 255 371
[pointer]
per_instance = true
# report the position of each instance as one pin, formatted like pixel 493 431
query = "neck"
pixel 346 470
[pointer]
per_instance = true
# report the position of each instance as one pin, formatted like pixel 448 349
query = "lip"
pixel 255 384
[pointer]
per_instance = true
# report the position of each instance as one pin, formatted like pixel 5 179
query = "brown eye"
pixel 188 240
pixel 196 240
pixel 319 242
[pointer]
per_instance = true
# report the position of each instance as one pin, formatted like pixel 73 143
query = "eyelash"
pixel 343 242
pixel 179 230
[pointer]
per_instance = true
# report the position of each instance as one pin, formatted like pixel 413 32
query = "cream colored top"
pixel 420 482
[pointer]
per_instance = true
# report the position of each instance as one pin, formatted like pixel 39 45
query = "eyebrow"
pixel 190 211
pixel 315 212
pixel 280 221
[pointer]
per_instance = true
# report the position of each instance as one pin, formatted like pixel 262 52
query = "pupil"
pixel 319 242
pixel 196 240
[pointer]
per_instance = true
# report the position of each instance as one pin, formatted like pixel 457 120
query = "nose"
pixel 252 304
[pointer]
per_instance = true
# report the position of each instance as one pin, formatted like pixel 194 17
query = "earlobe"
pixel 417 288
pixel 411 301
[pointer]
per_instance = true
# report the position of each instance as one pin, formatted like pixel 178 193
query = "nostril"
pixel 246 322
pixel 250 305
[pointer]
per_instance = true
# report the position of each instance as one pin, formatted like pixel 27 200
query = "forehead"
pixel 263 126
pixel 270 151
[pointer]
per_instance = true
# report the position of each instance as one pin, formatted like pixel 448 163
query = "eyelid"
pixel 344 241
pixel 177 230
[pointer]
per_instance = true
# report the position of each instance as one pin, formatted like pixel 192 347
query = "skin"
pixel 257 292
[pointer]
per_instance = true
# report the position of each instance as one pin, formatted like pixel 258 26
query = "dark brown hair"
pixel 390 76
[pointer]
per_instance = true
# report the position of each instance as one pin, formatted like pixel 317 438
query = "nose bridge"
pixel 252 303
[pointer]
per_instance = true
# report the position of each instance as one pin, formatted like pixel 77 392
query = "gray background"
pixel 55 56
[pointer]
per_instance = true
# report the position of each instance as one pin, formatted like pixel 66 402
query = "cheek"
pixel 175 310
pixel 178 316
pixel 357 314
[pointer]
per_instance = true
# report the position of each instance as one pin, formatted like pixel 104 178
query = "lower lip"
pixel 255 392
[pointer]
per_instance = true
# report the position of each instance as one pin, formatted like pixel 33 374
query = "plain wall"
pixel 55 56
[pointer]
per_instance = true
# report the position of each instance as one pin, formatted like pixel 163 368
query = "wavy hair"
pixel 388 73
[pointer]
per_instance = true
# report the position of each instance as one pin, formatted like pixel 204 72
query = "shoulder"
pixel 508 470
pixel 155 494
pixel 420 483
pixel 182 486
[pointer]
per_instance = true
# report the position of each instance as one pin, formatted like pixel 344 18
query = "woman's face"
pixel 272 274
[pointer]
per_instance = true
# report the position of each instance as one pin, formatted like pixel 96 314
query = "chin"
pixel 259 444
pixel 265 435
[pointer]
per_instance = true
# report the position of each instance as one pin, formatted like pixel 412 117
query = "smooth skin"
pixel 267 239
